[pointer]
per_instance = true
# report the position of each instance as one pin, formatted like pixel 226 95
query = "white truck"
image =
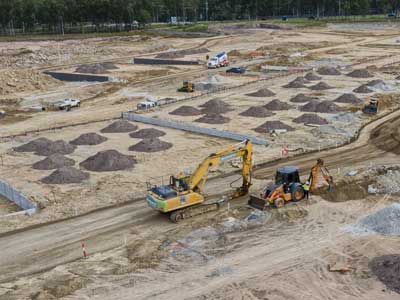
pixel 220 60
pixel 67 104
pixel 150 104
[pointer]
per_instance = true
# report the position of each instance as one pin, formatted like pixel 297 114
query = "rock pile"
pixel 387 268
pixel 66 175
pixel 109 160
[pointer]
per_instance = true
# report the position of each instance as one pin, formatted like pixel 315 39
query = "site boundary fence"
pixel 7 191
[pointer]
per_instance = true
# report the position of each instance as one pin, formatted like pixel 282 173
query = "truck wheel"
pixel 297 193
pixel 279 203
pixel 176 216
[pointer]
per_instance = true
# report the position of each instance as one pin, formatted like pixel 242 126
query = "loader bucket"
pixel 258 202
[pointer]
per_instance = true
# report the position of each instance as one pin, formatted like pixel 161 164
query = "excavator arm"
pixel 317 169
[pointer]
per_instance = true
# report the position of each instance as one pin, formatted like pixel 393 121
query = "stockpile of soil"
pixel 312 76
pixel 387 269
pixel 360 73
pixel 321 86
pixel 181 53
pixel 147 133
pixel 60 147
pixel 375 82
pixel 321 107
pixel 295 84
pixel 109 160
pixel 34 145
pixel 150 145
pixel 90 138
pixel 363 89
pixel 215 106
pixel 310 119
pixel 262 93
pixel 348 98
pixel 301 98
pixel 257 112
pixel 186 111
pixel 119 126
pixel 213 118
pixel 98 68
pixel 301 79
pixel 277 105
pixel 54 161
pixel 269 126
pixel 328 71
pixel 66 175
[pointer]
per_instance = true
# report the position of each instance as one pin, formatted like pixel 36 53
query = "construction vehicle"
pixel 372 107
pixel 287 186
pixel 150 104
pixel 183 196
pixel 220 60
pixel 187 87
pixel 67 104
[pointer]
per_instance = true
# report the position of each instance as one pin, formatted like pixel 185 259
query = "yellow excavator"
pixel 183 196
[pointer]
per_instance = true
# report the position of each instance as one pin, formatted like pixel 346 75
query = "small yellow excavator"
pixel 187 87
pixel 183 196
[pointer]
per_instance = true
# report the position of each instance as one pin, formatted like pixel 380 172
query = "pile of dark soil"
pixel 215 106
pixel 312 76
pixel 387 269
pixel 321 107
pixel 301 98
pixel 348 98
pixel 328 71
pixel 119 126
pixel 301 79
pixel 150 145
pixel 277 105
pixel 59 147
pixel 269 126
pixel 310 119
pixel 54 161
pixel 257 112
pixel 147 133
pixel 98 68
pixel 363 89
pixel 295 84
pixel 262 93
pixel 321 86
pixel 66 175
pixel 109 160
pixel 186 111
pixel 360 73
pixel 213 118
pixel 181 53
pixel 34 145
pixel 375 82
pixel 90 138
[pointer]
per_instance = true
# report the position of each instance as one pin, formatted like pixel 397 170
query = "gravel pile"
pixel 269 126
pixel 312 76
pixel 119 126
pixel 375 82
pixel 98 68
pixel 257 112
pixel 321 107
pixel 66 175
pixel 90 138
pixel 325 70
pixel 310 119
pixel 215 106
pixel 363 89
pixel 186 111
pixel 277 105
pixel 109 160
pixel 34 145
pixel 147 133
pixel 348 98
pixel 360 73
pixel 301 98
pixel 150 145
pixel 387 269
pixel 54 161
pixel 262 93
pixel 213 118
pixel 59 147
pixel 321 86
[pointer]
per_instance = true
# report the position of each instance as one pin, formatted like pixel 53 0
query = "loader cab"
pixel 286 176
pixel 179 183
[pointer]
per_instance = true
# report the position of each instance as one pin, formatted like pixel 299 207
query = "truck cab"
pixel 220 60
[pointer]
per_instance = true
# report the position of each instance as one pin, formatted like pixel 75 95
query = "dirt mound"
pixel 54 161
pixel 348 98
pixel 310 119
pixel 321 86
pixel 295 84
pixel 387 269
pixel 97 68
pixel 147 133
pixel 360 73
pixel 181 53
pixel 321 107
pixel 301 98
pixel 34 145
pixel 66 175
pixel 328 71
pixel 109 160
pixel 277 105
pixel 213 118
pixel 312 76
pixel 215 106
pixel 186 111
pixel 363 89
pixel 301 79
pixel 90 138
pixel 345 191
pixel 269 126
pixel 262 93
pixel 150 145
pixel 234 53
pixel 257 112
pixel 375 82
pixel 119 126
pixel 59 147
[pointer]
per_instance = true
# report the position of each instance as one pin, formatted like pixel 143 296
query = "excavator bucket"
pixel 258 203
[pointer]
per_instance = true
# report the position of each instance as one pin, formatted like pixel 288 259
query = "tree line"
pixel 26 15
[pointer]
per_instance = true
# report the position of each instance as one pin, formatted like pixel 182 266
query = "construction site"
pixel 251 162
